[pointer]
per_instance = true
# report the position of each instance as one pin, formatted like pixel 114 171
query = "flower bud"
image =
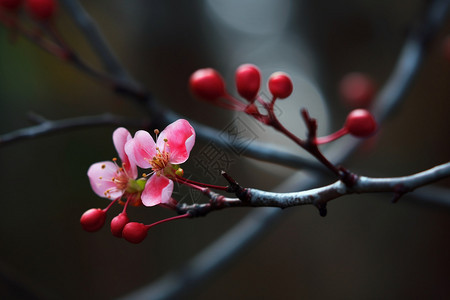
pixel 248 81
pixel 93 219
pixel 357 89
pixel 280 85
pixel 118 223
pixel 207 84
pixel 135 232
pixel 360 123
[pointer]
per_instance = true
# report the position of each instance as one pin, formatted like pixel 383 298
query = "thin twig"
pixel 99 44
pixel 46 127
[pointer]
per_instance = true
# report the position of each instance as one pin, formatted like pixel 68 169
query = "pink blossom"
pixel 107 179
pixel 172 147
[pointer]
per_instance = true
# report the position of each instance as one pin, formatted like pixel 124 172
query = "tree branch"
pixel 101 47
pixel 46 127
pixel 319 197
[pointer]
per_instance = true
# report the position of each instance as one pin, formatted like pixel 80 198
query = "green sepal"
pixel 136 186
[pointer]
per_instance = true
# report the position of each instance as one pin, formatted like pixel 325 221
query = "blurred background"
pixel 366 248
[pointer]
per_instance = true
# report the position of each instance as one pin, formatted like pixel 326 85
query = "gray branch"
pixel 319 197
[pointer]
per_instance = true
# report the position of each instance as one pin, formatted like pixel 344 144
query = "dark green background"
pixel 366 248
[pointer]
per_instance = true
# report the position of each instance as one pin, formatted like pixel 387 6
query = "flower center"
pixel 121 180
pixel 160 161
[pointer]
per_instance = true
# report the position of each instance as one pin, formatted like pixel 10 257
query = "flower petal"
pixel 120 137
pixel 158 189
pixel 100 176
pixel 181 138
pixel 141 149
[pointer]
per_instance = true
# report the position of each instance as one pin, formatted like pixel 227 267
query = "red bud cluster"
pixel 207 84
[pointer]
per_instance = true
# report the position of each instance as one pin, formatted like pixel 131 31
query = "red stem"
pixel 111 204
pixel 197 184
pixel 334 136
pixel 167 220
pixel 309 146
pixel 234 103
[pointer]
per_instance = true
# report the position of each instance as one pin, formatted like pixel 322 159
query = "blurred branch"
pixel 33 36
pixel 46 127
pixel 101 47
pixel 410 59
pixel 432 194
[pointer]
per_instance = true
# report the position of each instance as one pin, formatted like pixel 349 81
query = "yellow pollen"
pixel 160 160
pixel 103 166
pixel 114 159
pixel 156 131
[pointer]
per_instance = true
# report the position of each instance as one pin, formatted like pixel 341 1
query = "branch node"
pixel 311 124
pixel 216 200
pixel 234 187
pixel 194 211
pixel 347 177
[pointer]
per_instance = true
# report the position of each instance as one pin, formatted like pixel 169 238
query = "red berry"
pixel 118 223
pixel 41 10
pixel 93 219
pixel 134 232
pixel 248 81
pixel 207 84
pixel 357 89
pixel 10 4
pixel 360 123
pixel 280 85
